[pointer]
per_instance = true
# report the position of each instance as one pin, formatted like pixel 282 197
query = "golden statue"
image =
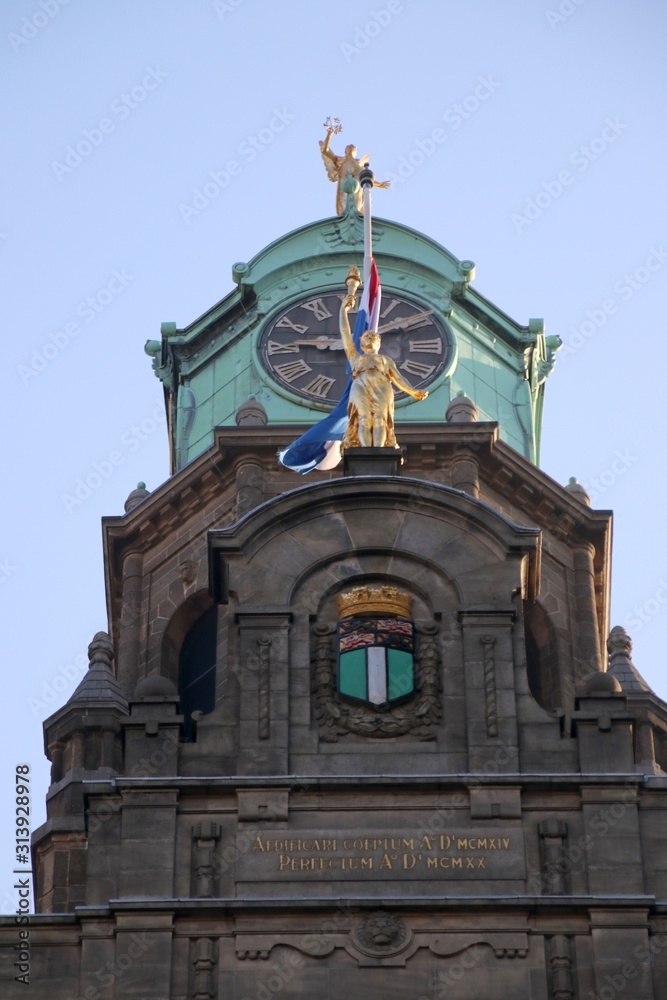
pixel 370 410
pixel 338 167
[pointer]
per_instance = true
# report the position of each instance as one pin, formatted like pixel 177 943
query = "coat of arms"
pixel 375 646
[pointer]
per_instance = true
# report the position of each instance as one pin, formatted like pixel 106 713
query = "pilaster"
pixel 264 685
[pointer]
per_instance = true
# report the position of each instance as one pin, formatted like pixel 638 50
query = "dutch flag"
pixel 319 447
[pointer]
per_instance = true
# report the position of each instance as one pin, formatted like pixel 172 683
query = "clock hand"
pixel 320 342
pixel 405 324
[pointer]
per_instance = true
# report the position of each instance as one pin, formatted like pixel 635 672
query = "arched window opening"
pixel 542 658
pixel 196 668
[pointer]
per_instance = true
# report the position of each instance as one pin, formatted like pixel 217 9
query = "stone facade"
pixel 476 810
pixel 496 833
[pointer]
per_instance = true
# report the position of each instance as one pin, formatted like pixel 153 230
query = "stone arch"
pixel 261 559
pixel 188 654
pixel 317 589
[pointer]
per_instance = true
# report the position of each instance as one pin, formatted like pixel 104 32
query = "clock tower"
pixel 365 733
pixel 275 339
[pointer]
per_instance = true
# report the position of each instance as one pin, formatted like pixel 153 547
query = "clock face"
pixel 302 350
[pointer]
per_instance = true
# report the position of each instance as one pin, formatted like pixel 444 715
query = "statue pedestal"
pixel 372 461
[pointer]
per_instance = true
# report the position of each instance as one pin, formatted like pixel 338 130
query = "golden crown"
pixel 382 600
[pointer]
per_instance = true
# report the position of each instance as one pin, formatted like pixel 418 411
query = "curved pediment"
pixel 266 556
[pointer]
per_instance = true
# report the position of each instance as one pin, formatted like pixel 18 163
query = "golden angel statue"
pixel 338 167
pixel 370 409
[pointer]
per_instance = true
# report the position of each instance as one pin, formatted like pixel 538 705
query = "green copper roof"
pixel 210 368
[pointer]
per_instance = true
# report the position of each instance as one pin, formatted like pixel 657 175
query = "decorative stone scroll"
pixel 384 939
pixel 418 717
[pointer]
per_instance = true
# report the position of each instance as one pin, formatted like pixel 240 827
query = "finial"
pixel 349 185
pixel 136 497
pixel 100 649
pixel 366 177
pixel 251 412
pixel 462 410
pixel 619 643
pixel 99 683
pixel 578 491
pixel 619 647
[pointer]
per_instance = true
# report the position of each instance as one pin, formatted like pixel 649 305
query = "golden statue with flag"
pixel 370 408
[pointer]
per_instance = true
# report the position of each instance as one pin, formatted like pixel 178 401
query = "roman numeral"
pixel 291 370
pixel 275 348
pixel 318 308
pixel 427 346
pixel 319 386
pixel 392 305
pixel 285 322
pixel 417 368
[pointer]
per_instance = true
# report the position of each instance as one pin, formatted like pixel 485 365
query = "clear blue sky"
pixel 548 171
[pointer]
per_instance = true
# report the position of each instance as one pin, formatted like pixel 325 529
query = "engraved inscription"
pixel 493 854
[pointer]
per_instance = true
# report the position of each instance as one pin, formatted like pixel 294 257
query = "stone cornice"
pixel 430 451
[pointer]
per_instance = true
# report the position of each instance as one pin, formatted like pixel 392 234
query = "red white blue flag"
pixel 319 447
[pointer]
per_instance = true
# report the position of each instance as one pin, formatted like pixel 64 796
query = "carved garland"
pixel 336 718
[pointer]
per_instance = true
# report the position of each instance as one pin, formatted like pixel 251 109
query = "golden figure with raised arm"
pixel 370 410
pixel 338 167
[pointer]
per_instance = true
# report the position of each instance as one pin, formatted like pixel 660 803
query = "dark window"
pixel 196 668
pixel 542 658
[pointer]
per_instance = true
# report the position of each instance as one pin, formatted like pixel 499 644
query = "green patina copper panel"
pixel 498 363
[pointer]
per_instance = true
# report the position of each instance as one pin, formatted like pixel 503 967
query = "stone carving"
pixel 187 571
pixel 384 939
pixel 380 931
pixel 204 965
pixel 560 964
pixel 205 836
pixel 490 700
pixel 418 718
pixel 264 688
pixel 381 939
pixel 512 945
pixel 552 836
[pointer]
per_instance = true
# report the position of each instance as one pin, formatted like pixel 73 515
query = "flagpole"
pixel 366 179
